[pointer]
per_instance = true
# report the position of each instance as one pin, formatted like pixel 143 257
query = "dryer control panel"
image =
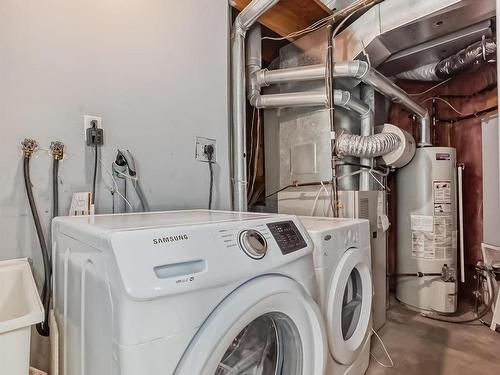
pixel 287 236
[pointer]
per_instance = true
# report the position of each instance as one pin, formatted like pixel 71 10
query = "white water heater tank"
pixel 427 229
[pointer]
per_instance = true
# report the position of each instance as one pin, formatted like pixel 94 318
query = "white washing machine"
pixel 186 293
pixel 342 260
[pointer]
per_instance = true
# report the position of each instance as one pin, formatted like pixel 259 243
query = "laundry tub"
pixel 20 308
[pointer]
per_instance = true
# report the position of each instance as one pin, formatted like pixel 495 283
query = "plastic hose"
pixel 42 328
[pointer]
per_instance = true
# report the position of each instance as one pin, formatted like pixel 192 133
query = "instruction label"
pixel 421 223
pixel 433 237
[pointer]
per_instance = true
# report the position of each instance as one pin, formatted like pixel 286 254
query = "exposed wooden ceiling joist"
pixel 288 16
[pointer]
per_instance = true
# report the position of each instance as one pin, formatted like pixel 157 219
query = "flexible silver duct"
pixel 245 19
pixel 353 69
pixel 476 53
pixel 370 146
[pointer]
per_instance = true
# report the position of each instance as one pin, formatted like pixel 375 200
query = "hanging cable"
pixel 446 102
pixel 431 88
pixel 209 151
pixel 29 147
pixel 391 365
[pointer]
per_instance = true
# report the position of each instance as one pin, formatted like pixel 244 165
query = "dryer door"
pixel 267 326
pixel 348 309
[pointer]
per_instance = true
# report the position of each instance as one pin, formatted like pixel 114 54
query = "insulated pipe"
pixel 245 19
pixel 353 69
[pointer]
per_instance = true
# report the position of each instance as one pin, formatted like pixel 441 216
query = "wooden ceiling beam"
pixel 288 16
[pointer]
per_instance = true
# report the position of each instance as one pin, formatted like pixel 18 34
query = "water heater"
pixel 427 231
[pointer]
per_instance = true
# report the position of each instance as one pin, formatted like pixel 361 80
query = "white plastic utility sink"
pixel 20 307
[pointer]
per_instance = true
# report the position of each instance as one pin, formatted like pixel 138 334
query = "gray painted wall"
pixel 155 70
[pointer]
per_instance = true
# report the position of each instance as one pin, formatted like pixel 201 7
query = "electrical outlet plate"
pixel 87 121
pixel 199 154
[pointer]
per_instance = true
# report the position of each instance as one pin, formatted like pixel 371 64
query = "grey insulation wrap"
pixel 481 51
pixel 370 146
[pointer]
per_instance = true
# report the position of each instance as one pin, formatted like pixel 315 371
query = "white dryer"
pixel 186 293
pixel 342 260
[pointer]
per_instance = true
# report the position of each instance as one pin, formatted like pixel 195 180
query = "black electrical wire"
pixel 209 151
pixel 94 179
pixel 42 328
pixel 210 194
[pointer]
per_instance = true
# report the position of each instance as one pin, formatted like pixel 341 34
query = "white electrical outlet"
pixel 87 123
pixel 200 154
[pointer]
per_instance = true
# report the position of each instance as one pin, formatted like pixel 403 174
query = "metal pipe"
pixel 245 19
pixel 362 71
pixel 293 99
pixel 316 98
pixel 367 129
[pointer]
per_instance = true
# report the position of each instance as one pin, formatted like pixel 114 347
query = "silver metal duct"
pixel 359 70
pixel 245 19
pixel 371 146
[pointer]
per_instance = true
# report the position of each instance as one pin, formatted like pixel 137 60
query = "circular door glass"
pixel 351 304
pixel 269 345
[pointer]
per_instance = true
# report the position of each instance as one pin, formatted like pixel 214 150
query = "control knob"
pixel 253 243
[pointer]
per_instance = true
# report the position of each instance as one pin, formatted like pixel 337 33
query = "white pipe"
pixel 460 171
pixel 245 19
pixel 353 69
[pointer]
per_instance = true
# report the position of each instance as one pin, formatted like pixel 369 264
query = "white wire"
pixel 114 189
pixel 317 197
pixel 127 176
pixel 447 103
pixel 325 213
pixel 386 353
pixel 313 27
pixel 431 88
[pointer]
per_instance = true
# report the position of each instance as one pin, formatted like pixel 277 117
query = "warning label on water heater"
pixel 442 197
pixel 433 237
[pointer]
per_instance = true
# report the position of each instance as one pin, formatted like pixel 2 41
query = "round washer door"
pixel 348 309
pixel 267 326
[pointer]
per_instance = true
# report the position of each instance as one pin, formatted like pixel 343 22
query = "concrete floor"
pixel 425 347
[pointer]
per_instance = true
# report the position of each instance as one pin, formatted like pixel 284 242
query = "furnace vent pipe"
pixel 245 19
pixel 353 69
